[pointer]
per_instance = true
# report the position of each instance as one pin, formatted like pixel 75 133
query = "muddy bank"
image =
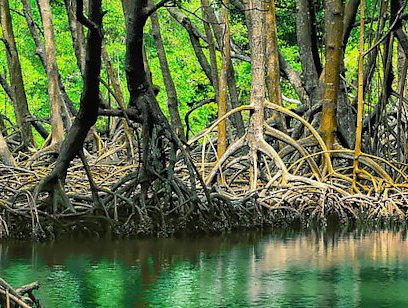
pixel 157 224
pixel 154 223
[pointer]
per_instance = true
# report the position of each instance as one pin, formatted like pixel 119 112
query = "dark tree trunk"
pixel 77 33
pixel 141 92
pixel 398 28
pixel 172 99
pixel 304 26
pixel 158 156
pixel 89 103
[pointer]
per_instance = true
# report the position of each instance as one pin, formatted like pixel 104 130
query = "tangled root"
pixel 303 176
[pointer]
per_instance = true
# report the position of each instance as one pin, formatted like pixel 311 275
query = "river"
pixel 278 268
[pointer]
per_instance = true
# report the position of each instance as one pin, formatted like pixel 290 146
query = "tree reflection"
pixel 286 268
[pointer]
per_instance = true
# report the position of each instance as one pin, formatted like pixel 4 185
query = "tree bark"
pixel 272 53
pixel 346 116
pixel 16 78
pixel 89 103
pixel 304 37
pixel 334 10
pixel 258 85
pixel 223 90
pixel 233 101
pixel 172 99
pixel 206 11
pixel 40 51
pixel 77 33
pixel 155 164
pixel 55 99
pixel 5 155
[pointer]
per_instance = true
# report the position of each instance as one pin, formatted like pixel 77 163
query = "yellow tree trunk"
pixel 274 89
pixel 357 147
pixel 223 84
pixel 334 11
pixel 275 95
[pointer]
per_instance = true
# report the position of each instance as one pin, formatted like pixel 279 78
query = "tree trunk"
pixel 5 155
pixel 304 29
pixel 89 104
pixel 77 33
pixel 398 28
pixel 20 105
pixel 40 51
pixel 223 91
pixel 142 97
pixel 206 11
pixel 272 52
pixel 194 37
pixel 346 116
pixel 172 100
pixel 55 99
pixel 334 10
pixel 233 101
pixel 350 13
pixel 158 156
pixel 258 85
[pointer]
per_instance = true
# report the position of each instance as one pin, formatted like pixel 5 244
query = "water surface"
pixel 273 269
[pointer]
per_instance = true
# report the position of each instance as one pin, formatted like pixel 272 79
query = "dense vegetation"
pixel 144 117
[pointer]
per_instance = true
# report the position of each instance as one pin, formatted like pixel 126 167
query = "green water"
pixel 274 269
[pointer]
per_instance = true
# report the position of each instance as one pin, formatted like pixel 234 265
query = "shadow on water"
pixel 274 268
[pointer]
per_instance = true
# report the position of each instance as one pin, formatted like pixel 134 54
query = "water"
pixel 274 269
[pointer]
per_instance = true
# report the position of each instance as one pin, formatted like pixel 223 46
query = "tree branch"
pixel 150 10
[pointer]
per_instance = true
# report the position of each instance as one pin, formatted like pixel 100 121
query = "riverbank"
pixel 222 218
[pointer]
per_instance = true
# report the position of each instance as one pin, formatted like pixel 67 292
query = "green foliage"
pixel 191 83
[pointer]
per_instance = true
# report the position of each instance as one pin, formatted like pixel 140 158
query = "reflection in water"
pixel 285 268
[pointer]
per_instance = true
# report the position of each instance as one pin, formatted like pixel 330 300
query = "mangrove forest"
pixel 148 119
pixel 136 117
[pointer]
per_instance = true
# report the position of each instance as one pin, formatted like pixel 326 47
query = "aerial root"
pixel 20 297
pixel 312 183
pixel 318 181
pixel 53 148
